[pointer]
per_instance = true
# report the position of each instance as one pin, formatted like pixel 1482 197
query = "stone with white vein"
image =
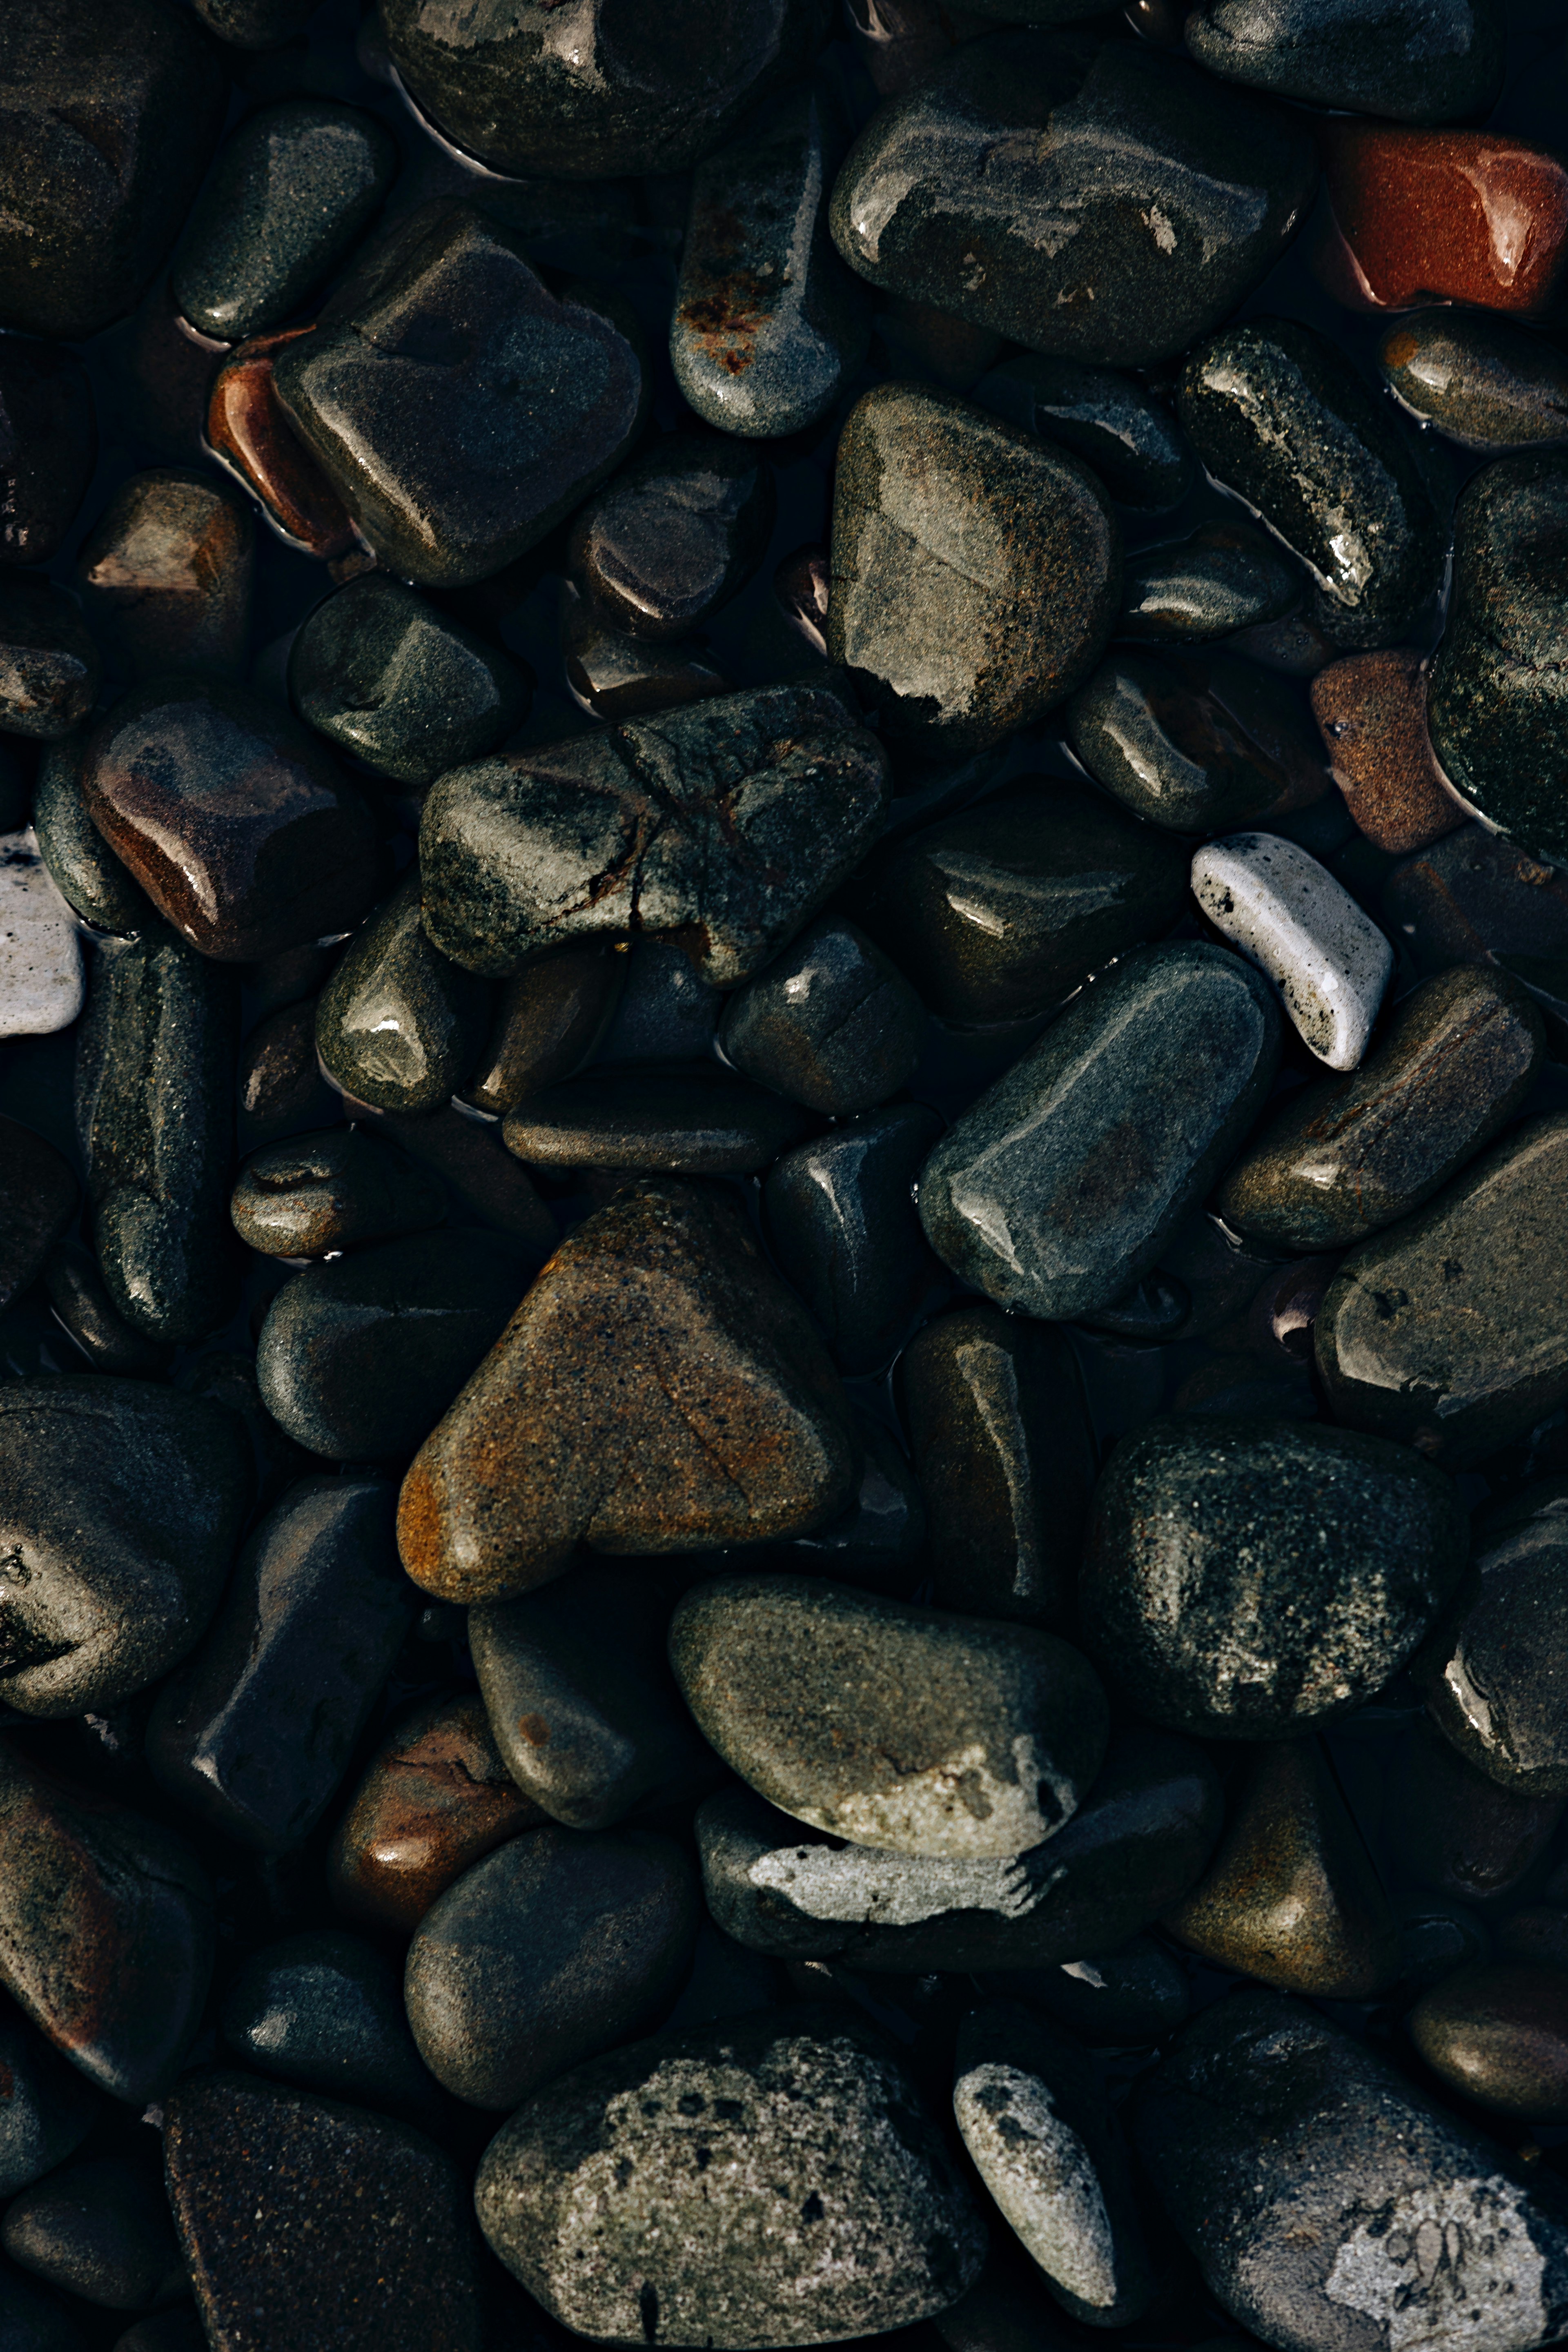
pixel 1286 914
pixel 41 982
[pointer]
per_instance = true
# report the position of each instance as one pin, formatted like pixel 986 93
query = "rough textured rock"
pixel 245 426
pixel 41 955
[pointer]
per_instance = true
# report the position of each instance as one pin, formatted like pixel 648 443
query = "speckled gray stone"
pixel 1103 416
pixel 675 535
pixel 1407 59
pixel 1495 1685
pixel 327 1190
pixel 41 980
pixel 399 1025
pixel 1291 917
pixel 1485 384
pixel 49 665
pixel 1223 577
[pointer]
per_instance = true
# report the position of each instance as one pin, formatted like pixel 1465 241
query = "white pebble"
pixel 1286 914
pixel 40 952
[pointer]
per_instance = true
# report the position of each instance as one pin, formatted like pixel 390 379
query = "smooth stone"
pixel 956 193
pixel 1133 1848
pixel 39 1198
pixel 1437 1937
pixel 1138 1994
pixel 833 2210
pixel 281 1091
pixel 1309 2180
pixel 166 574
pixel 106 1931
pixel 360 1357
pixel 1494 700
pixel 433 435
pixel 554 1947
pixel 909 1730
pixel 579 1699
pixel 1222 577
pixel 325 2011
pixel 1050 2148
pixel 674 536
pixel 304 2220
pixel 286 202
pixel 1370 710
pixel 41 980
pixel 485 1182
pixel 341 1186
pixel 121 1504
pixel 1309 1563
pixel 1278 413
pixel 1456 1830
pixel 1413 217
pixel 100 2229
pixel 1498 2034
pixel 1101 415
pixel 84 869
pixel 226 1377
pixel 254 1732
pixel 1061 1185
pixel 234 819
pixel 1484 385
pixel 728 825
pixel 551 1018
pixel 244 426
pixel 112 109
pixel 612 676
pixel 49 663
pixel 1196 742
pixel 155 1084
pixel 1345 1158
pixel 976 569
pixel 665 1013
pixel 830 1023
pixel 1472 898
pixel 840 1219
pixel 1410 61
pixel 1293 1896
pixel 1493 1684
pixel 80 1300
pixel 678 1118
pixel 49 435
pixel 720 1419
pixel 1450 1332
pixel 386 676
pixel 1288 915
pixel 878 1540
pixel 399 1025
pixel 1004 1453
pixel 768 326
pixel 45 2108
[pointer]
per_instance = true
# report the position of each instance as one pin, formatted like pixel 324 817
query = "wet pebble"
pixel 1485 384
pixel 673 1119
pixel 1196 742
pixel 399 1025
pixel 1372 712
pixel 830 1023
pixel 1418 216
pixel 49 663
pixel 342 1185
pixel 324 2011
pixel 675 535
pixel 1223 577
pixel 1288 915
pixel 841 1222
pixel 1494 1682
pixel 167 572
pixel 1414 64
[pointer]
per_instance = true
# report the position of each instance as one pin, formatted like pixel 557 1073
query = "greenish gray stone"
pixel 380 672
pixel 1495 1685
pixel 399 1025
pixel 1278 413
pixel 1243 1579
pixel 1060 1186
pixel 976 569
pixel 1407 60
pixel 675 535
pixel 766 2180
pixel 721 828
pixel 49 665
pixel 768 325
pixel 1484 384
pixel 1450 1331
pixel 840 1218
pixel 330 1189
pixel 1180 195
pixel 907 1729
pixel 325 2009
pixel 1197 742
pixel 1103 416
pixel 81 1301
pixel 674 1118
pixel 830 1023
pixel 1499 679
pixel 1225 577
pixel 1347 1156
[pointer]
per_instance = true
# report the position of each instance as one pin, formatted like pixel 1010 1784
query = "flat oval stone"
pixel 1103 416
pixel 1412 62
pixel 38 1198
pixel 49 663
pixel 254 1734
pixel 344 1185
pixel 728 825
pixel 1310 1563
pixel 399 1025
pixel 49 2110
pixel 1288 915
pixel 51 438
pixel 82 867
pixel 245 429
pixel 720 1420
pixel 1223 577
pixel 675 535
pixel 1278 413
pixel 833 2208
pixel 955 193
pixel 384 676
pixel 80 1300
pixel 99 2229
pixel 976 569
pixel 1001 910
pixel 165 574
pixel 325 2011
pixel 1196 742
pixel 1345 1158
pixel 286 202
pixel 555 1947
pixel 1455 1829
pixel 907 1729
pixel 1493 1684
pixel 1498 2034
pixel 1371 711
pixel 1060 1186
pixel 1484 385
pixel 1419 216
pixel 41 982
pixel 235 822
pixel 768 325
pixel 674 1118
pixel 1451 1332
pixel 830 1023
pixel 841 1222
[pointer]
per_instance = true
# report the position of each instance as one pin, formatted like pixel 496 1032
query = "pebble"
pixel 831 1023
pixel 551 1949
pixel 1493 1682
pixel 1456 1830
pixel 1473 898
pixel 769 326
pixel 1290 917
pixel 1196 743
pixel 1419 216
pixel 48 2110
pixel 281 1090
pixel 254 1732
pixel 1309 1561
pixel 976 569
pixel 332 1188
pixel 1063 1182
pixel 1138 1994
pixel 1346 1157
pixel 1371 709
pixel 612 676
pixel 956 193
pixel 245 427
pixel 551 1018
pixel 39 1198
pixel 324 2009
pixel 41 980
pixel 50 448
pixel 907 1729
pixel 719 1420
pixel 483 1180
pixel 1412 63
pixel 769 2179
pixel 88 874
pixel 399 1025
pixel 840 1220
pixel 675 535
pixel 165 574
pixel 1488 386
pixel 100 2229
pixel 676 1118
pixel 1223 577
pixel 1104 417
pixel 80 1301
pixel 1498 2034
pixel 1448 1332
pixel 49 663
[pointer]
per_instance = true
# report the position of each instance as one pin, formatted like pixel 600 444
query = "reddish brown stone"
pixel 433 1799
pixel 247 426
pixel 1370 710
pixel 1420 217
pixel 166 574
pixel 38 1200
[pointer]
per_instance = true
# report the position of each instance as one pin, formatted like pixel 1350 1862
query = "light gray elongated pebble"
pixel 41 982
pixel 1288 915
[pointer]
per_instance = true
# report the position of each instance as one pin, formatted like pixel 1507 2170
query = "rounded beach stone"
pixel 99 2228
pixel 830 1023
pixel 1103 416
pixel 324 2009
pixel 1408 60
pixel 550 1017
pixel 1485 384
pixel 1289 915
pixel 1420 217
pixel 165 574
pixel 675 535
pixel 674 1118
pixel 1370 710
pixel 344 1185
pixel 1498 2034
pixel 399 1025
pixel 1495 1684
pixel 1196 742
pixel 1223 577
pixel 841 1223
pixel 82 867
